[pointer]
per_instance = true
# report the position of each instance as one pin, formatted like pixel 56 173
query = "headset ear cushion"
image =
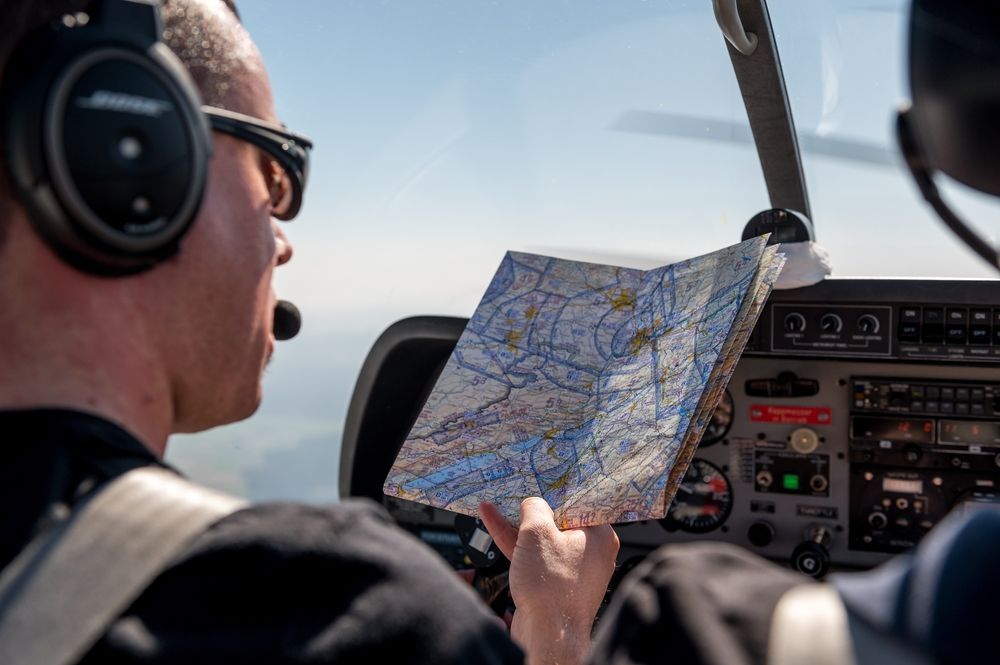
pixel 129 166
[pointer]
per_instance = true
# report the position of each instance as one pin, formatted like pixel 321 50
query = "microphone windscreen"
pixel 287 320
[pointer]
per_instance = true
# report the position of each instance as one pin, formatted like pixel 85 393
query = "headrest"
pixel 955 88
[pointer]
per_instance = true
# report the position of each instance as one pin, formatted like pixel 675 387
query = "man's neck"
pixel 63 345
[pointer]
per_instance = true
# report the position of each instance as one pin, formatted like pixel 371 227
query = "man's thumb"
pixel 536 511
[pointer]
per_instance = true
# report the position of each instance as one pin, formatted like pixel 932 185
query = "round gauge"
pixel 703 500
pixel 720 423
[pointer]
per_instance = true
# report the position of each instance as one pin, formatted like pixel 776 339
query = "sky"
pixel 450 131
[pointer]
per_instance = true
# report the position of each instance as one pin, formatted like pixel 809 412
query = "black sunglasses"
pixel 289 154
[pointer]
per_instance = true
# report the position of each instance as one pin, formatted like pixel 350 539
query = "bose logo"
pixel 105 100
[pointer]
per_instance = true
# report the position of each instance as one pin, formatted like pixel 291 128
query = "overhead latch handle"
pixel 728 18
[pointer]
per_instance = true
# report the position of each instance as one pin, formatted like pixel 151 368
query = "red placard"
pixel 790 415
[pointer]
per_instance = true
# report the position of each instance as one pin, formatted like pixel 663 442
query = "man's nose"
pixel 283 248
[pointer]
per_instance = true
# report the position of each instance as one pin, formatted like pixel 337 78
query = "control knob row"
pixel 867 324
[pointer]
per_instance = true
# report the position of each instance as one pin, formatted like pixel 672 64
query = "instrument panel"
pixel 869 481
pixel 860 414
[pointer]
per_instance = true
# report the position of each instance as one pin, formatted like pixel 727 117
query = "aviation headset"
pixel 105 140
pixel 952 123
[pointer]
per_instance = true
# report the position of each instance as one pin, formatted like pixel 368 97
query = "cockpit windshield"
pixel 450 131
pixel 844 63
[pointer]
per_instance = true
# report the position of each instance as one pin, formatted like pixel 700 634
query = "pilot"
pixel 129 314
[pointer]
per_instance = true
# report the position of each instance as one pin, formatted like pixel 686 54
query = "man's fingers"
pixel 535 512
pixel 603 534
pixel 504 533
pixel 605 540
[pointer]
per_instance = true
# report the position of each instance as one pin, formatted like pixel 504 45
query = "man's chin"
pixel 234 414
pixel 252 409
pixel 252 406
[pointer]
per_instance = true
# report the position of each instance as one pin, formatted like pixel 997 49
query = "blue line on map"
pixel 451 472
pixel 523 446
pixel 527 267
pixel 553 344
pixel 548 266
pixel 673 288
pixel 502 470
pixel 501 281
pixel 506 379
pixel 566 386
pixel 448 494
pixel 597 330
pixel 658 411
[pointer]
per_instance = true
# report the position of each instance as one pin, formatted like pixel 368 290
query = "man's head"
pixel 950 125
pixel 200 321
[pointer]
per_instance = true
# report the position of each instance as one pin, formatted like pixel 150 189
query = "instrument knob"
pixel 812 556
pixel 868 324
pixel 831 323
pixel 878 520
pixel 795 322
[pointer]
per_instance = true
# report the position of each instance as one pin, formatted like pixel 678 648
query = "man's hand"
pixel 557 580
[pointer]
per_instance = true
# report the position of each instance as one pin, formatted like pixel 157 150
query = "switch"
pixel 909 324
pixel 956 329
pixel 932 325
pixel 910 332
pixel 979 326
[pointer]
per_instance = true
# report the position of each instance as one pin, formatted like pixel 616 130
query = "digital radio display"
pixel 969 431
pixel 919 430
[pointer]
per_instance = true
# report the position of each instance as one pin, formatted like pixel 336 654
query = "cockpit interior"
pixel 744 334
pixel 866 405
pixel 862 411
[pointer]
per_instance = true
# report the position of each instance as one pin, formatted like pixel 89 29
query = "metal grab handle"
pixel 728 18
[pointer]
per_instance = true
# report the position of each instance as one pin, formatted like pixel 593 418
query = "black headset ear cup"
pixel 106 141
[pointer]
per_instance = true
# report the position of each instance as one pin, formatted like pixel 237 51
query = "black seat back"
pixel 393 385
